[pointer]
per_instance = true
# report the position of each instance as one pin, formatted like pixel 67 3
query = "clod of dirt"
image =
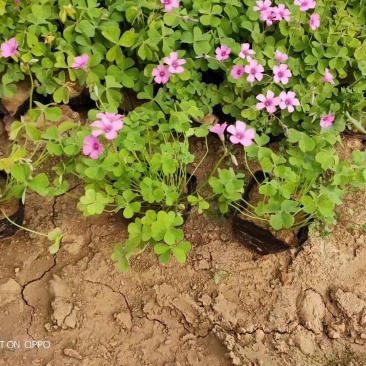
pixel 73 243
pixel 124 320
pixel 58 288
pixel 71 320
pixel 69 352
pixel 9 291
pixel 312 311
pixel 205 300
pixel 336 330
pixel 22 94
pixel 350 304
pixel 208 119
pixel 259 335
pixel 61 309
pixel 226 310
pixel 8 120
pixel 74 88
pixel 305 343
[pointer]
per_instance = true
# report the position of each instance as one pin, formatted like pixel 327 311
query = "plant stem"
pixel 213 171
pixel 22 227
pixel 32 89
pixel 247 165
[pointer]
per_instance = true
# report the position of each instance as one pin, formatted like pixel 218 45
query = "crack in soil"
pixel 24 298
pixel 116 292
pixel 153 320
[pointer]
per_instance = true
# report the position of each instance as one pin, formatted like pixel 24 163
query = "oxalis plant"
pixel 304 180
pixel 136 165
pixel 311 54
pixel 280 68
pixel 28 152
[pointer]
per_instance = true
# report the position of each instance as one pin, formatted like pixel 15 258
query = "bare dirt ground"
pixel 226 306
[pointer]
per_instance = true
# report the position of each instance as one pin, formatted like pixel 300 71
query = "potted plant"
pixel 11 208
pixel 302 179
pixel 137 165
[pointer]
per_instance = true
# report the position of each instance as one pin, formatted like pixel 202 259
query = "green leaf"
pixel 128 38
pixel 276 221
pixel 53 114
pixel 112 34
pixel 281 219
pixel 306 144
pixel 161 248
pixel 266 165
pixel 20 172
pixel 179 254
pixel 309 205
pixel 289 206
pixel 33 132
pixel 165 257
pixel 356 123
pixel 54 234
pixel 39 184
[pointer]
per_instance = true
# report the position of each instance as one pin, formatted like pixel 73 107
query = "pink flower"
pixel 237 71
pixel 314 21
pixel 280 57
pixel 222 53
pixel 170 4
pixel 240 135
pixel 17 1
pixel 288 100
pixel 109 125
pixel 161 74
pixel 175 65
pixel 269 102
pixel 254 70
pixel 80 62
pixel 268 16
pixel 281 12
pixel 9 48
pixel 305 4
pixel 219 130
pixel 327 120
pixel 246 51
pixel 281 74
pixel 263 5
pixel 92 147
pixel 328 77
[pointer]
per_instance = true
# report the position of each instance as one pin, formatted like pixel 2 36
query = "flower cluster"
pixel 271 14
pixel 162 74
pixel 239 133
pixel 108 125
pixel 284 100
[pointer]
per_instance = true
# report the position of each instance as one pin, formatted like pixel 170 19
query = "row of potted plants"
pixel 286 71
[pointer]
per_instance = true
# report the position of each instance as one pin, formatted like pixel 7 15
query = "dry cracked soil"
pixel 225 306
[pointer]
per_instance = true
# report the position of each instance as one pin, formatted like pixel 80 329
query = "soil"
pixel 224 307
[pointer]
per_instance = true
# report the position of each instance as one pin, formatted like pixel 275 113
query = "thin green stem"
pixel 247 165
pixel 22 227
pixel 32 88
pixel 213 171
